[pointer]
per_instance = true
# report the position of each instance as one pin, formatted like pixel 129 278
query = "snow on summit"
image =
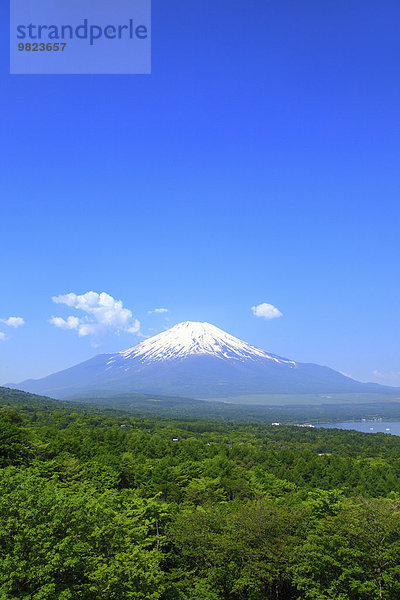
pixel 192 338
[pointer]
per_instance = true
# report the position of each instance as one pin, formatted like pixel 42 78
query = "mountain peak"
pixel 191 338
pixel 197 360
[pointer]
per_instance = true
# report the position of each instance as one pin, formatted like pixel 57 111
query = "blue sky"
pixel 258 163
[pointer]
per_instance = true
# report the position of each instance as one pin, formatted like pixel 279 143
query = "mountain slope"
pixel 198 360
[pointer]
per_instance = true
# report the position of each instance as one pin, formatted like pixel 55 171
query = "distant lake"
pixel 392 427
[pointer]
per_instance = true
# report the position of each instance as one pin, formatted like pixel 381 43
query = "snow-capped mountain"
pixel 192 339
pixel 196 360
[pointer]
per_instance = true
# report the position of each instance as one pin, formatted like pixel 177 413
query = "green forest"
pixel 101 504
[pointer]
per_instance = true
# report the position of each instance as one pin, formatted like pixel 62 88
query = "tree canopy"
pixel 100 504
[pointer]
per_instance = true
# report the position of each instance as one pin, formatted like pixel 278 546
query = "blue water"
pixel 392 427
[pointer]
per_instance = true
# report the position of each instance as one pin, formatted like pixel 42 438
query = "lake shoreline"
pixel 388 426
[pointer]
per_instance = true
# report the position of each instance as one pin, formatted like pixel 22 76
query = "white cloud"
pixel 13 322
pixel 158 311
pixel 70 323
pixel 85 329
pixel 267 311
pixel 135 327
pixel 102 314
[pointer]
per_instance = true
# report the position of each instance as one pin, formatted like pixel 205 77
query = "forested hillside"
pixel 96 504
